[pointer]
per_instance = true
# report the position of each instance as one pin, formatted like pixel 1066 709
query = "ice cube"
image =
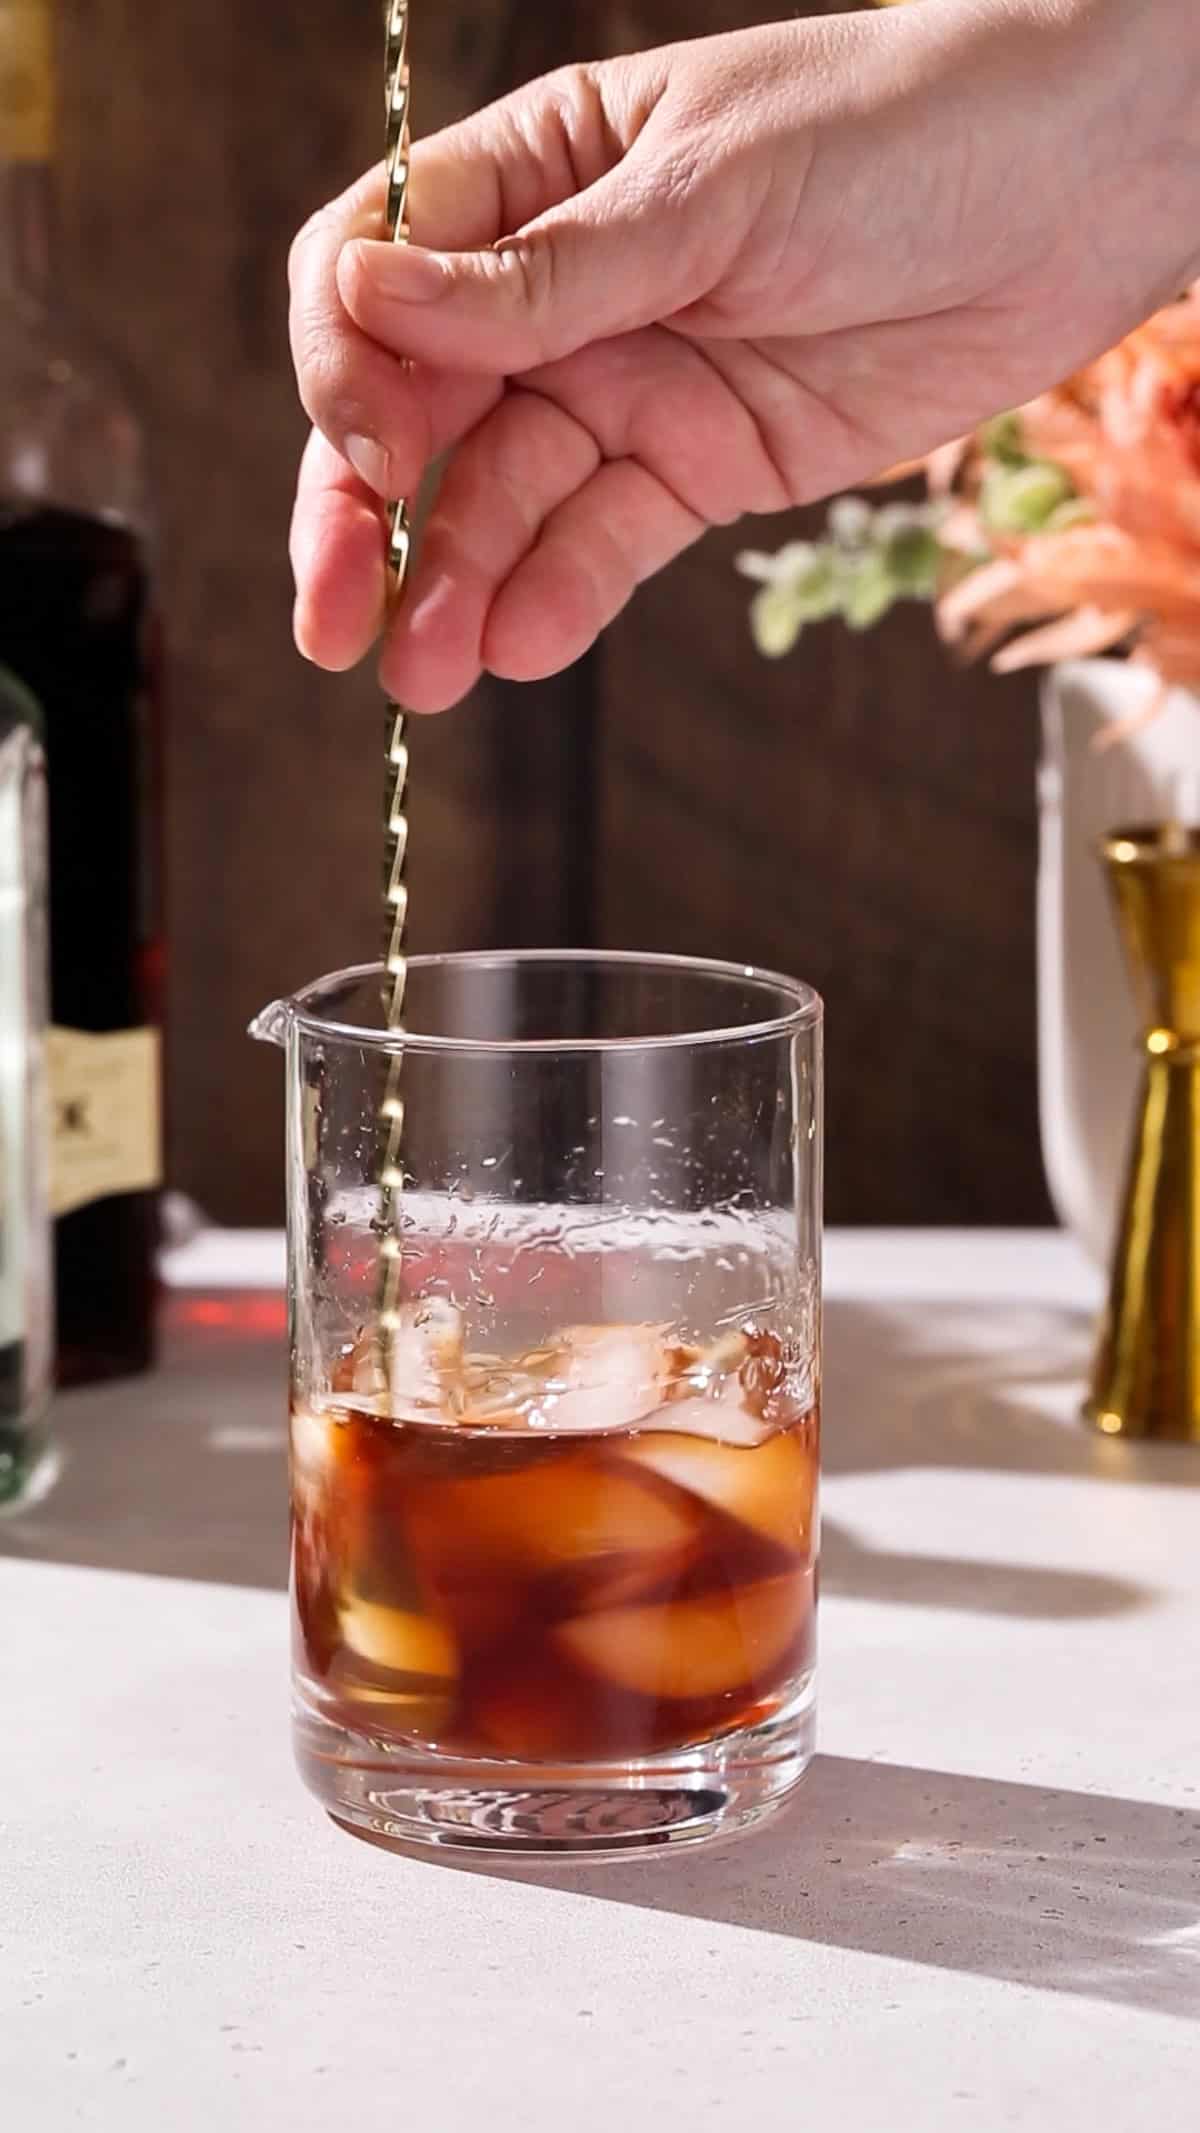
pixel 557 1515
pixel 765 1376
pixel 397 1641
pixel 426 1356
pixel 692 1648
pixel 313 1449
pixel 719 1359
pixel 359 1368
pixel 720 1416
pixel 494 1394
pixel 605 1377
pixel 768 1486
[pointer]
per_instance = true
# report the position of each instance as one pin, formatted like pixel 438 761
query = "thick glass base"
pixel 402 1796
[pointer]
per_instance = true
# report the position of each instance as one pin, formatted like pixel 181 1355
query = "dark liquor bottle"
pixel 77 626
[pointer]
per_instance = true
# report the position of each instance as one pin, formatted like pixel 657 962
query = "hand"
pixel 649 296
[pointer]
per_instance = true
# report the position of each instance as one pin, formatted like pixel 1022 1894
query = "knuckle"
pixel 574 97
pixel 317 242
pixel 353 288
pixel 524 270
pixel 680 170
pixel 316 230
pixel 566 86
pixel 329 388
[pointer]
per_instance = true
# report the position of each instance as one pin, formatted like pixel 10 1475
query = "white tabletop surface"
pixel 982 1913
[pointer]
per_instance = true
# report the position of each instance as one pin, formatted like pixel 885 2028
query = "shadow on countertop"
pixel 976 1385
pixel 182 1473
pixel 1068 1892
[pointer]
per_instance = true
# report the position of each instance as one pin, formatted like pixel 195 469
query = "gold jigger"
pixel 1146 1380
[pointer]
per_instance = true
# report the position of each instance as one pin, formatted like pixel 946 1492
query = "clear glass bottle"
pixel 26 1261
pixel 78 627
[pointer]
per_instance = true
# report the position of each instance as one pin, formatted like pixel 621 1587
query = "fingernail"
pixel 427 611
pixel 401 272
pixel 299 630
pixel 370 462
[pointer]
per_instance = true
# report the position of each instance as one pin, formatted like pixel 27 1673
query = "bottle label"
pixel 106 1126
pixel 26 81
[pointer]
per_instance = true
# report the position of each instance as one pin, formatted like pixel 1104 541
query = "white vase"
pixel 1087 1037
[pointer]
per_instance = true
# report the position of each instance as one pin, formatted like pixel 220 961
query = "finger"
pixel 594 551
pixel 322 338
pixel 612 260
pixel 337 552
pixel 492 173
pixel 708 418
pixel 477 181
pixel 454 195
pixel 470 185
pixel 585 218
pixel 387 421
pixel 514 471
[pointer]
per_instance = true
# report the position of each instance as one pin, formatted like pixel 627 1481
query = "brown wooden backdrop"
pixel 858 814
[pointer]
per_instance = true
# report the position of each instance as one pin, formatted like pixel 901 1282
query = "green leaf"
pixel 776 621
pixel 913 560
pixel 816 590
pixel 1001 441
pixel 850 521
pixel 869 592
pixel 1075 512
pixel 1021 500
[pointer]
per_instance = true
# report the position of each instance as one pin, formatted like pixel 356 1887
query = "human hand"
pixel 650 296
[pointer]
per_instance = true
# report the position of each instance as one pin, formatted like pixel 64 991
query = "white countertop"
pixel 982 1913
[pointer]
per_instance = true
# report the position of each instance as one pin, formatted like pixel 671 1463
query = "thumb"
pixel 616 257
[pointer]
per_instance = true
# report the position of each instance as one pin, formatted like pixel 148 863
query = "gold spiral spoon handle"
pixel 395 983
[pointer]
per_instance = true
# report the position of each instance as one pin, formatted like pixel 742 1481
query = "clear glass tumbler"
pixel 554 1533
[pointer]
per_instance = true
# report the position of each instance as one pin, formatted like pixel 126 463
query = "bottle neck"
pixel 27 128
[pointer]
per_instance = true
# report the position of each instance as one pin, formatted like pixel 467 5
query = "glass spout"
pixel 273 1024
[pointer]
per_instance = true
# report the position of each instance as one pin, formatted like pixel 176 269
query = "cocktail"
pixel 554 1492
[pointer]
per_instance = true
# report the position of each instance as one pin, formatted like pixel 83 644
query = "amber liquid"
pixel 77 627
pixel 508 1595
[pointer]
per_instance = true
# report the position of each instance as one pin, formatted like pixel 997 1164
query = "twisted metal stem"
pixel 395 983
